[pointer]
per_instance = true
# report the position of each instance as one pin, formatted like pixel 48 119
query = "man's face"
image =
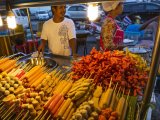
pixel 59 11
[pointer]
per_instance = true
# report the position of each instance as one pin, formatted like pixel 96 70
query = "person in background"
pixel 135 27
pixel 137 19
pixel 111 34
pixel 60 33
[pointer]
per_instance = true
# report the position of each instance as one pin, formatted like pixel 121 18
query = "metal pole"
pixel 30 25
pixel 152 74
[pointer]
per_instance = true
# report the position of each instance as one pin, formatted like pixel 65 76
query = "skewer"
pixel 19 115
pixel 53 72
pixel 43 117
pixel 25 115
pixel 1 108
pixel 10 117
pixel 8 111
pixel 84 74
pixel 24 66
pixel 29 68
pixel 110 84
pixel 8 114
pixel 90 76
pixel 123 92
pixel 2 57
pixel 48 117
pixel 1 103
pixel 128 96
pixel 2 97
pixel 58 73
pixel 19 57
pixel 43 63
pixel 15 58
pixel 19 64
pixel 118 91
pixel 44 66
pixel 39 115
pixel 115 89
pixel 28 117
pixel 62 76
pixel 47 70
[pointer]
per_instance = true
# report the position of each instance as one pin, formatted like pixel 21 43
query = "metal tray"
pixel 20 54
pixel 48 62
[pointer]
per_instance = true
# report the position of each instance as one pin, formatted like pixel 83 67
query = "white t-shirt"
pixel 58 36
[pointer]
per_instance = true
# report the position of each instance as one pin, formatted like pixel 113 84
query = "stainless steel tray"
pixel 20 54
pixel 48 62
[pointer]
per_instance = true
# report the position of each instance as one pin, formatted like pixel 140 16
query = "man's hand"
pixel 42 46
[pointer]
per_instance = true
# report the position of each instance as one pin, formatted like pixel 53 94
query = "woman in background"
pixel 111 34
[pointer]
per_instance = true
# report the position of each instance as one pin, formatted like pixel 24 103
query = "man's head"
pixel 59 11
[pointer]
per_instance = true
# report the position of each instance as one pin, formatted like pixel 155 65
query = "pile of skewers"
pixel 37 92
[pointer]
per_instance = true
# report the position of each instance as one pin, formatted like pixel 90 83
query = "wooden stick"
pixel 28 117
pixel 128 96
pixel 110 83
pixel 1 57
pixel 2 108
pixel 43 117
pixel 19 115
pixel 8 111
pixel 8 114
pixel 10 118
pixel 1 103
pixel 39 115
pixel 49 117
pixel 25 115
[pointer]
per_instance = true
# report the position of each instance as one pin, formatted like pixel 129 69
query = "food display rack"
pixel 155 55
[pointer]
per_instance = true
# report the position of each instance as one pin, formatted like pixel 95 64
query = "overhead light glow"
pixel 11 20
pixel 1 22
pixel 92 12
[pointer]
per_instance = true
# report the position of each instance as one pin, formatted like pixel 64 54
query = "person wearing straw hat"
pixel 111 34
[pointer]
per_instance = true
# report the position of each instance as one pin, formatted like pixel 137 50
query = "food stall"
pixel 97 86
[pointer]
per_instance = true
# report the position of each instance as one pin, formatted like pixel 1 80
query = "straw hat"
pixel 110 5
pixel 138 17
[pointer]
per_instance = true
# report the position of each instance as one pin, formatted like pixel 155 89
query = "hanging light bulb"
pixel 92 12
pixel 11 20
pixel 1 22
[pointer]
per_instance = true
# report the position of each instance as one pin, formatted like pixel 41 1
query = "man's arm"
pixel 72 44
pixel 42 46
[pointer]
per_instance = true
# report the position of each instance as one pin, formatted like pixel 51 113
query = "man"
pixel 133 29
pixel 60 33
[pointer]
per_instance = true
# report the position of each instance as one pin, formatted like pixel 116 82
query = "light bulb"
pixel 92 12
pixel 11 20
pixel 1 22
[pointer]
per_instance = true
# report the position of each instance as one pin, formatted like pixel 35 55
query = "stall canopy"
pixel 2 5
pixel 33 3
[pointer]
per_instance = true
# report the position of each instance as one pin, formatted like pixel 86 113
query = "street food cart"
pixel 41 90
